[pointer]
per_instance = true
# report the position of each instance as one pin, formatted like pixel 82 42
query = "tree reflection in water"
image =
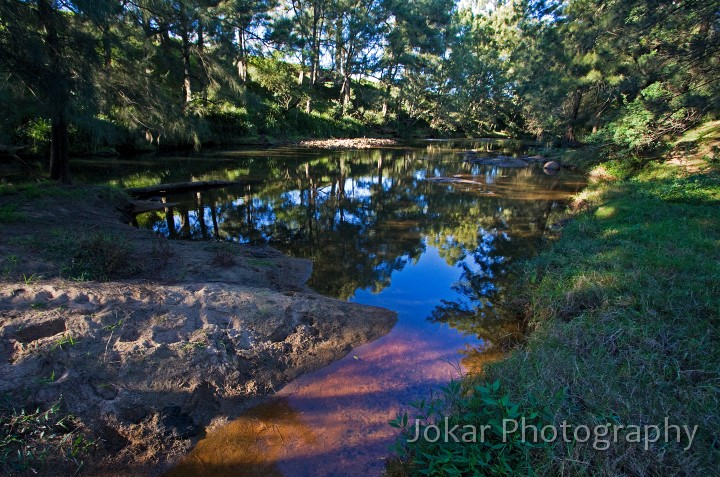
pixel 440 253
pixel 361 215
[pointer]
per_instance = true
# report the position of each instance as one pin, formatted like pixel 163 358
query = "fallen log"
pixel 141 206
pixel 454 180
pixel 11 150
pixel 182 187
pixel 460 180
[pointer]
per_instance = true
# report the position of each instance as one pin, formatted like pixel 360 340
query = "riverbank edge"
pixel 117 360
pixel 623 316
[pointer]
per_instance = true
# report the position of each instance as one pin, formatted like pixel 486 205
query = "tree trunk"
pixel 187 87
pixel 570 129
pixel 338 44
pixel 201 55
pixel 318 20
pixel 57 89
pixel 241 61
pixel 345 92
pixel 386 99
pixel 59 144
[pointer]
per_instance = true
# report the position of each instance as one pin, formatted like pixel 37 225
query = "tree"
pixel 50 47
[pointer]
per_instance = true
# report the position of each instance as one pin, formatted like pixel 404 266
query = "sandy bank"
pixel 192 333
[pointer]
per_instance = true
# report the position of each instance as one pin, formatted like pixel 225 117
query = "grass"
pixel 626 319
pixel 93 255
pixel 9 214
pixel 64 341
pixel 45 189
pixel 9 265
pixel 224 254
pixel 41 442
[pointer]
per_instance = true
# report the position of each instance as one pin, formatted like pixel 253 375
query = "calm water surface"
pixel 378 232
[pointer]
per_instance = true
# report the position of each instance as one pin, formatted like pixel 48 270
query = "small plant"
pixel 64 340
pixel 192 345
pixel 95 256
pixel 10 265
pixel 456 412
pixel 260 262
pixel 49 379
pixel 8 213
pixel 30 279
pixel 223 255
pixel 161 249
pixel 113 326
pixel 101 256
pixel 31 441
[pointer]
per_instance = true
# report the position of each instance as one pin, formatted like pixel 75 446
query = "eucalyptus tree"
pixel 240 24
pixel 298 29
pixel 359 27
pixel 416 33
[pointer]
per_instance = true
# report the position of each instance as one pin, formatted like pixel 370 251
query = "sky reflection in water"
pixel 378 233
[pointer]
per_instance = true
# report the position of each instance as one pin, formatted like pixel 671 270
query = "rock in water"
pixel 552 166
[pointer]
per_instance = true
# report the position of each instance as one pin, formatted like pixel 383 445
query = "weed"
pixel 87 256
pixel 113 326
pixel 10 265
pixel 65 340
pixel 461 414
pixel 99 256
pixel 192 345
pixel 161 249
pixel 224 254
pixel 49 379
pixel 261 262
pixel 32 441
pixel 30 279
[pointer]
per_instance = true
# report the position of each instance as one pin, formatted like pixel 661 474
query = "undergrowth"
pixel 94 255
pixel 44 442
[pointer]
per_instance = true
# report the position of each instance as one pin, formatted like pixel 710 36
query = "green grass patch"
pixel 473 416
pixel 9 214
pixel 707 131
pixel 35 441
pixel 626 313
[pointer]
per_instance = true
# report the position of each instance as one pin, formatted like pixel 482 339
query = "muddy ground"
pixel 170 339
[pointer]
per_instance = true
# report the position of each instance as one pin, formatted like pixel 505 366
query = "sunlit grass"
pixel 625 310
pixel 640 346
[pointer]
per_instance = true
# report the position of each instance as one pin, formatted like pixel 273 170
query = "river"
pixel 380 230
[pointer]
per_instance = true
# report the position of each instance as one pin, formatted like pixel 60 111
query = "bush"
pixel 94 255
pixel 228 122
pixel 99 256
pixel 36 133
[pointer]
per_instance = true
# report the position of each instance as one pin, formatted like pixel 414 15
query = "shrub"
pixel 99 256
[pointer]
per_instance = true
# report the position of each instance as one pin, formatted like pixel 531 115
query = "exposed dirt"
pixel 195 333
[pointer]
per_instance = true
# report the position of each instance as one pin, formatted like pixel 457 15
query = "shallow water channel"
pixel 438 252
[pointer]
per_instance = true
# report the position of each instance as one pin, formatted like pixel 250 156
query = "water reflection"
pixel 378 232
pixel 362 215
